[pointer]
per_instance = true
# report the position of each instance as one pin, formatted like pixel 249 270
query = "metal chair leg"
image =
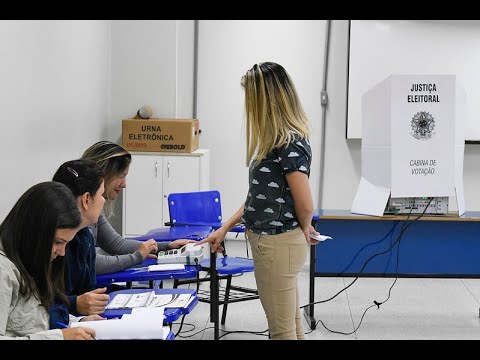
pixel 225 299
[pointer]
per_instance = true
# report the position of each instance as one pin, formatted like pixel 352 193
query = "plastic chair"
pixel 197 208
pixel 204 208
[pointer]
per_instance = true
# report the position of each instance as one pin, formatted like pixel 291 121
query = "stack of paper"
pixel 129 301
pixel 147 324
pixel 166 267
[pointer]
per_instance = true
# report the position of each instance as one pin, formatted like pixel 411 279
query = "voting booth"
pixel 413 142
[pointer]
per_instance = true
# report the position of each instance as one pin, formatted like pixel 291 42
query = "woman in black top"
pixel 278 209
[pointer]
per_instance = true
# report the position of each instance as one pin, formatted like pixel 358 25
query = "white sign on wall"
pixel 413 141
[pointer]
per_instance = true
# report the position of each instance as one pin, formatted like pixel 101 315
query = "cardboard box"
pixel 165 135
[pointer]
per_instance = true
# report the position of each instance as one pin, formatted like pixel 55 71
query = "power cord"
pixel 389 233
pixel 260 333
pixel 405 226
pixel 198 332
pixel 364 265
pixel 184 324
pixel 198 274
pixel 225 333
pixel 181 324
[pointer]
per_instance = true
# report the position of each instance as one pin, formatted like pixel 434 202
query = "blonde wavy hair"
pixel 274 114
pixel 113 160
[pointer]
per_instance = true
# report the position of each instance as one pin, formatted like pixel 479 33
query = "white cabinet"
pixel 151 178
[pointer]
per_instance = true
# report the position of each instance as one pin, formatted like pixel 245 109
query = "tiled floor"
pixel 417 309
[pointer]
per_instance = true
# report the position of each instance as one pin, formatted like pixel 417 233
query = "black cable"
pixel 345 288
pixel 260 333
pixel 198 275
pixel 198 332
pixel 181 324
pixel 405 226
pixel 390 232
pixel 225 333
pixel 246 247
pixel 186 324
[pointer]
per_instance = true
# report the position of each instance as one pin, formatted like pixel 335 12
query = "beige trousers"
pixel 278 259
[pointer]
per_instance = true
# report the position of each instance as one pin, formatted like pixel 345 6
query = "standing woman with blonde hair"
pixel 278 209
pixel 115 161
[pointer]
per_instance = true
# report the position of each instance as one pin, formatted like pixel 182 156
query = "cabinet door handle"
pixel 156 168
pixel 168 169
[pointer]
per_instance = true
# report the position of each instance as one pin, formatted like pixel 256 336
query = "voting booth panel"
pixel 413 141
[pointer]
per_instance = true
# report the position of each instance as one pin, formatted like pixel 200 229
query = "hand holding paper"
pixel 320 237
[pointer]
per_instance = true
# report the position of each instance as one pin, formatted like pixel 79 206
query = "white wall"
pixel 226 50
pixel 55 95
pixel 380 48
pixel 343 157
pixel 152 64
pixel 53 98
pixel 343 165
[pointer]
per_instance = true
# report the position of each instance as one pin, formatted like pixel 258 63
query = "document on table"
pixel 129 301
pixel 166 267
pixel 147 324
pixel 148 299
pixel 170 300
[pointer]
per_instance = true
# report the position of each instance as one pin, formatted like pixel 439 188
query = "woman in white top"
pixel 33 238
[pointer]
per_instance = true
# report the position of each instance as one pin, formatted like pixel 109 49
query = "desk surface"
pixel 171 314
pixel 140 273
pixel 190 232
pixel 347 215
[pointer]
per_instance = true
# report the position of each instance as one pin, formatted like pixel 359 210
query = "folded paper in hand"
pixel 320 237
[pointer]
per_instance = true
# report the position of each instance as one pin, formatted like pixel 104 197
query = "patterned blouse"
pixel 269 208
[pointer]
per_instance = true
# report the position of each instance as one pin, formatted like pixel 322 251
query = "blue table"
pixel 140 273
pixel 171 314
pixel 432 247
pixel 189 232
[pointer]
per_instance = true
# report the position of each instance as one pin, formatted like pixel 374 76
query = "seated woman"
pixel 85 180
pixel 33 238
pixel 115 162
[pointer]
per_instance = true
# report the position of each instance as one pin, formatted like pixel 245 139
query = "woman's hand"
pixel 179 243
pixel 148 249
pixel 78 333
pixel 215 239
pixel 92 318
pixel 92 302
pixel 311 230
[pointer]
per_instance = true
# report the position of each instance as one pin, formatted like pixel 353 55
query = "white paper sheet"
pixel 128 328
pixel 166 267
pixel 128 301
pixel 170 300
pixel 370 199
pixel 148 299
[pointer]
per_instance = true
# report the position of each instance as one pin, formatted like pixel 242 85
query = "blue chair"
pixel 204 208
pixel 197 208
